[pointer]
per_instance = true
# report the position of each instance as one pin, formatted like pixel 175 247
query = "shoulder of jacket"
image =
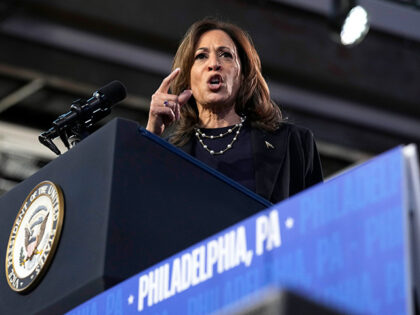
pixel 294 130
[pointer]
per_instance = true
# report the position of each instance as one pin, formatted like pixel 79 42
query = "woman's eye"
pixel 200 56
pixel 226 54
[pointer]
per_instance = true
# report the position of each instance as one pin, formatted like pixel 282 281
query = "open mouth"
pixel 215 82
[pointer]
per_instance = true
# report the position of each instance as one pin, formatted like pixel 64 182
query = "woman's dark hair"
pixel 253 99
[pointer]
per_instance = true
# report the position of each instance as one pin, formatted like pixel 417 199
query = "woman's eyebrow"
pixel 218 48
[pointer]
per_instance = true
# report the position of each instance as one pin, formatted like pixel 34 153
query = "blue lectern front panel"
pixel 343 243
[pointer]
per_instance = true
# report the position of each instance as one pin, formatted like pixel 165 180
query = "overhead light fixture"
pixel 350 22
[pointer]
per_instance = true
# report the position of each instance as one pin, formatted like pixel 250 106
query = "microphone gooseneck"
pixel 83 114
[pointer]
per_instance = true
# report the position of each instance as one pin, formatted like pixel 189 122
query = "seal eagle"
pixel 32 241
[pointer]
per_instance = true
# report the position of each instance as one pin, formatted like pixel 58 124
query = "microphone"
pixel 83 114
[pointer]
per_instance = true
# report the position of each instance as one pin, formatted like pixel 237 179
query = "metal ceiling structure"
pixel 358 102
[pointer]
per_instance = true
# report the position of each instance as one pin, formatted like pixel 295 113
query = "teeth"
pixel 215 81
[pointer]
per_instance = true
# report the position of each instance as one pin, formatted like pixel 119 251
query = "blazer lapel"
pixel 269 150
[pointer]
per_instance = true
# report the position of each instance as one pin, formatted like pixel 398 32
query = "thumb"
pixel 184 97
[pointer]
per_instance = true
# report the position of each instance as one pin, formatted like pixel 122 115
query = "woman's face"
pixel 216 72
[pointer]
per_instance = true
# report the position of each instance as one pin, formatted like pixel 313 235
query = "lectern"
pixel 131 200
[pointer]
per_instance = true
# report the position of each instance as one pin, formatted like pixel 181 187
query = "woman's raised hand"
pixel 165 107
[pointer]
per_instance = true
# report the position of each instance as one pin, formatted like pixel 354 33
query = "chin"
pixel 219 101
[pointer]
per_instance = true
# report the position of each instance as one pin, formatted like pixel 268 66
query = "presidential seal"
pixel 34 236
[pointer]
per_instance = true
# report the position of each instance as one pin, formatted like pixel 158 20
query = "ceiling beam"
pixel 66 85
pixel 338 109
pixel 88 44
pixel 20 94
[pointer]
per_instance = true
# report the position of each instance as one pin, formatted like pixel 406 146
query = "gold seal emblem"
pixel 34 236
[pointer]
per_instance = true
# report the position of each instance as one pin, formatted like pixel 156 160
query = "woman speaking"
pixel 224 116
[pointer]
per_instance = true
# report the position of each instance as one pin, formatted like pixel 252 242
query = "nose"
pixel 214 64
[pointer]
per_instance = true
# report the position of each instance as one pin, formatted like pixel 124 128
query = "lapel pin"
pixel 269 145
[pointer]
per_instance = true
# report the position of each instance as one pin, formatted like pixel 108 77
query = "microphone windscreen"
pixel 114 92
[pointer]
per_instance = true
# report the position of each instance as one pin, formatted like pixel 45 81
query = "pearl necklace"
pixel 199 134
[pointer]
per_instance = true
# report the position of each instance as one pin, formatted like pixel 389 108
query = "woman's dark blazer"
pixel 286 161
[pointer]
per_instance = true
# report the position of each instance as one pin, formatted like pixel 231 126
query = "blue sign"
pixel 342 243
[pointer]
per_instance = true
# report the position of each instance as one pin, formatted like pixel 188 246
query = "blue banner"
pixel 343 243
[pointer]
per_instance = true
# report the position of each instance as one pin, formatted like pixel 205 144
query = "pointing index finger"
pixel 166 83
